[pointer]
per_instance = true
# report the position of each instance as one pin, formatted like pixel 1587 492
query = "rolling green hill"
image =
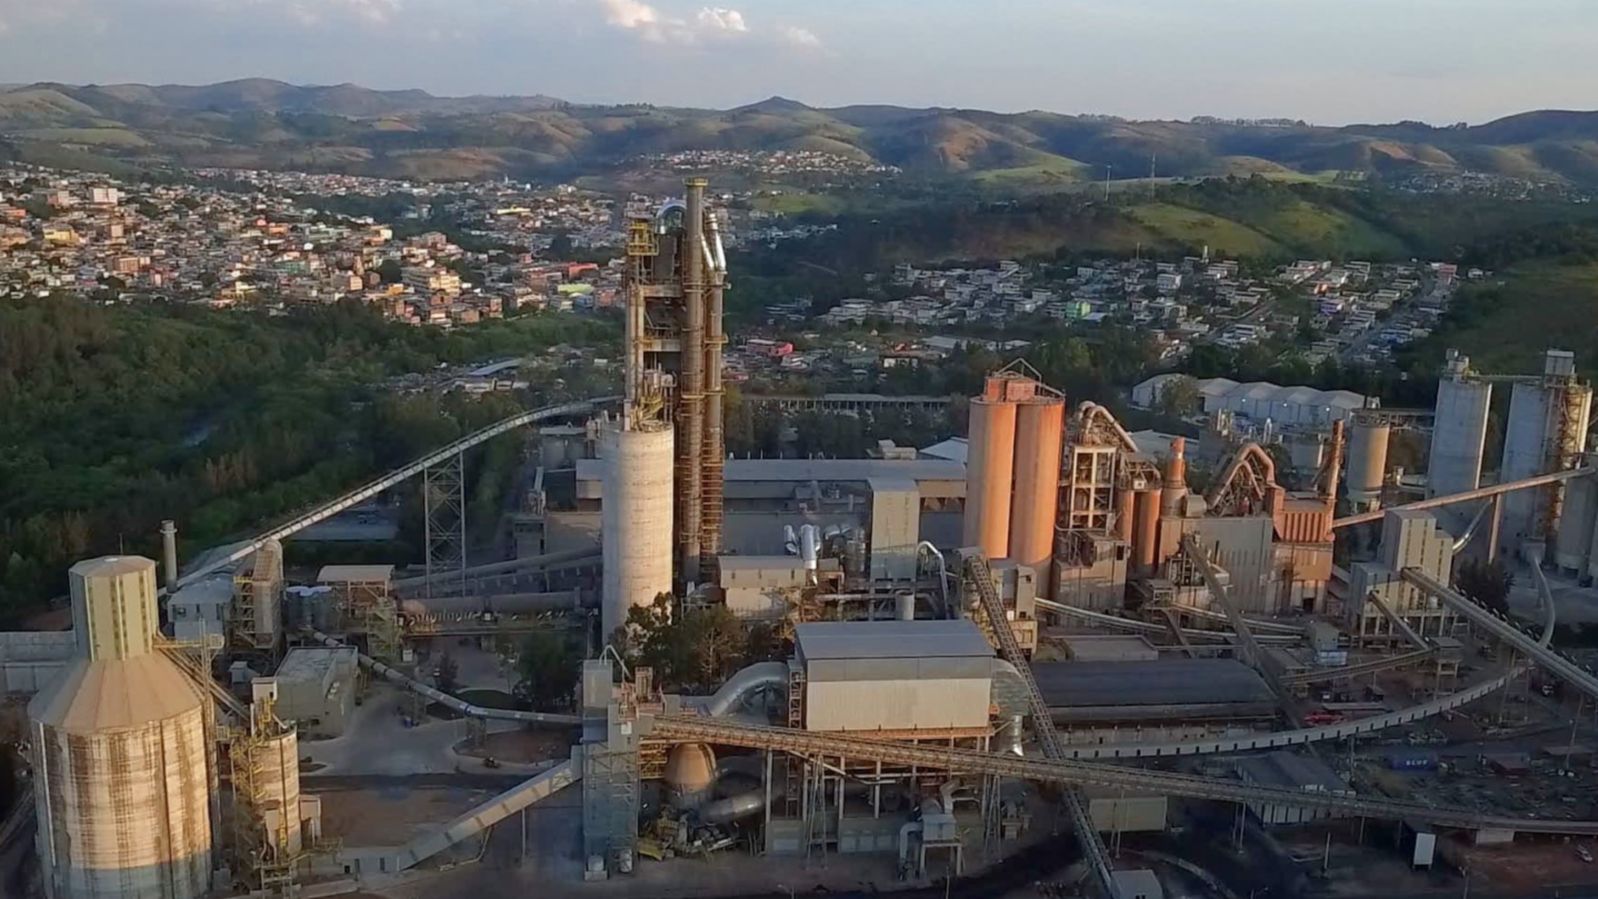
pixel 258 122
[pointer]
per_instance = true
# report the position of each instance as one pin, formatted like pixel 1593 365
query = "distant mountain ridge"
pixel 411 133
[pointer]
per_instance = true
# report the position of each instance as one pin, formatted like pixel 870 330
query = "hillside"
pixel 410 133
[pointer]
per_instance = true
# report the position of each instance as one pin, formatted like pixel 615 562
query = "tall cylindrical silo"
pixel 121 773
pixel 1039 439
pixel 1367 460
pixel 1460 436
pixel 1576 525
pixel 1145 546
pixel 989 474
pixel 636 520
pixel 275 774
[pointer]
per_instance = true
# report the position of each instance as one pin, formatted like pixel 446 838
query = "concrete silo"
pixel 1039 442
pixel 1367 459
pixel 121 772
pixel 636 518
pixel 1460 436
pixel 989 473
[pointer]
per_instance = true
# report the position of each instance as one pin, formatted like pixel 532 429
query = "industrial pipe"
pixel 169 553
pixel 747 682
pixel 1464 539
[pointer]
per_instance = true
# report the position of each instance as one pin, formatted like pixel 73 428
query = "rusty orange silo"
pixel 989 472
pixel 1124 506
pixel 1145 535
pixel 1039 440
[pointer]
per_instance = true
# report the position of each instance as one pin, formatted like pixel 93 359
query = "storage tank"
pixel 1040 435
pixel 989 474
pixel 276 776
pixel 119 746
pixel 1145 537
pixel 1526 444
pixel 1367 460
pixel 690 773
pixel 635 520
pixel 1460 435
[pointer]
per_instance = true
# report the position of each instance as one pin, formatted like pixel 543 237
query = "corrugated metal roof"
pixel 111 566
pixel 890 640
pixel 114 694
pixel 1165 682
pixel 341 574
pixel 955 449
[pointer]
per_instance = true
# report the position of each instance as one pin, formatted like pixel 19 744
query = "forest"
pixel 115 417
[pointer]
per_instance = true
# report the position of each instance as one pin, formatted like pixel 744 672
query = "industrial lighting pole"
pixel 1575 721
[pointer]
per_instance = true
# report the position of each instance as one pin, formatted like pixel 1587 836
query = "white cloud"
pixel 800 37
pixel 718 19
pixel 709 23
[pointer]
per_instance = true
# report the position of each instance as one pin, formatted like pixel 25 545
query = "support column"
pixel 444 526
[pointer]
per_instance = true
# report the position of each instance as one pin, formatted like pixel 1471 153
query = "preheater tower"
pixel 675 279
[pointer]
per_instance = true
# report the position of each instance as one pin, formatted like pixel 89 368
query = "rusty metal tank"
pixel 1039 440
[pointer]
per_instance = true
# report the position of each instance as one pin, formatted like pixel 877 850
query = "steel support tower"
pixel 444 523
pixel 675 280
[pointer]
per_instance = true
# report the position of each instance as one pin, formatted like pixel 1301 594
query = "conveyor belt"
pixel 400 475
pixel 1551 660
pixel 1319 675
pixel 1467 496
pixel 980 575
pixel 1149 627
pixel 725 732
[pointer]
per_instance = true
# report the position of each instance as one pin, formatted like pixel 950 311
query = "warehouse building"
pixel 316 689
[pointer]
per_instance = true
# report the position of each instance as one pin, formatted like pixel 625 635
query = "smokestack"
pixel 169 553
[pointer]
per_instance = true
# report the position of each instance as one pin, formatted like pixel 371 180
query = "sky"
pixel 1325 61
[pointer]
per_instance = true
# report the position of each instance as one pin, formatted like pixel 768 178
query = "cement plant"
pixel 1046 659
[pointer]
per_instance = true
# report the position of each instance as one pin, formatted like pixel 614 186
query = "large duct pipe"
pixel 169 554
pixel 747 682
pixel 714 452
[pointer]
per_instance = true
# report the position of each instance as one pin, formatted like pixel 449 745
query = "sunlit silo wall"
pixel 636 520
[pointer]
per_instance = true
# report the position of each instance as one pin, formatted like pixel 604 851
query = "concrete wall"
pixel 896 703
pixel 29 660
pixel 1525 456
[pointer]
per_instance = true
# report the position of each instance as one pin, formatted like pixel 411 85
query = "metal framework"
pixel 444 521
pixel 1467 496
pixel 721 731
pixel 980 575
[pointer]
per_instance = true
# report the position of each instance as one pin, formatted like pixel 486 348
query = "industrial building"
pixel 1048 603
pixel 316 689
pixel 1260 400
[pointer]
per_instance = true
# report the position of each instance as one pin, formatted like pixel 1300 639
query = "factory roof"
pixel 1110 648
pixel 1292 771
pixel 758 563
pixel 890 640
pixel 1165 682
pixel 111 566
pixel 346 574
pixel 955 449
pixel 312 662
pixel 114 694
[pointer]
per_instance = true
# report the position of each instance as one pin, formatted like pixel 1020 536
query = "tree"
pixel 1180 397
pixel 446 674
pixel 1487 583
pixel 548 668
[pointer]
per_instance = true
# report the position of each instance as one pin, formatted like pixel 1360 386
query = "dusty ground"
pixel 523 746
pixel 1526 866
pixel 390 815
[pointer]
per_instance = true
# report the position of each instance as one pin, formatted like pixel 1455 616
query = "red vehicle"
pixel 1319 719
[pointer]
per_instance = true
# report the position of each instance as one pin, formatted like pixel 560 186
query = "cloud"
pixel 709 23
pixel 800 37
pixel 714 19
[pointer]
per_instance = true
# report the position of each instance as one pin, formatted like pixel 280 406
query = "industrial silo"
pixel 1367 459
pixel 1460 435
pixel 1040 435
pixel 121 775
pixel 989 474
pixel 636 518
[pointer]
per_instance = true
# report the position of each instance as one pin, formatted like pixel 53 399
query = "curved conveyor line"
pixel 397 476
pixel 458 705
pixel 1150 627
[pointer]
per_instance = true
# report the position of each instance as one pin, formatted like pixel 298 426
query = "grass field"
pixel 1506 324
pixel 1194 228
